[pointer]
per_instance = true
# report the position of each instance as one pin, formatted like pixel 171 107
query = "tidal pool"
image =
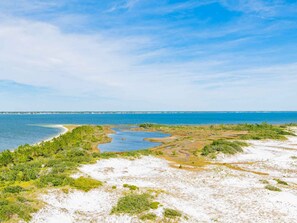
pixel 128 140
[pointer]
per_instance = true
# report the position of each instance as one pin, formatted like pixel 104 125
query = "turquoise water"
pixel 127 140
pixel 17 129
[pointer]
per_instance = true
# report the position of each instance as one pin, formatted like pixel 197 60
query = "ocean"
pixel 19 129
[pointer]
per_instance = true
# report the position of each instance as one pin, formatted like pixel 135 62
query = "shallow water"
pixel 127 140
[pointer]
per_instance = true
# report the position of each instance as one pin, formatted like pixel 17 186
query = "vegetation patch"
pixel 146 125
pixel 53 180
pixel 48 164
pixel 171 213
pixel 11 208
pixel 132 204
pixel 279 181
pixel 86 184
pixel 272 188
pixel 154 205
pixel 264 131
pixel 131 187
pixel 13 189
pixel 148 216
pixel 223 146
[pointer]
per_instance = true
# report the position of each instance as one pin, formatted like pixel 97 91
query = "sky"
pixel 148 55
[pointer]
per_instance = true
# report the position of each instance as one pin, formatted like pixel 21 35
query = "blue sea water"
pixel 18 129
pixel 126 140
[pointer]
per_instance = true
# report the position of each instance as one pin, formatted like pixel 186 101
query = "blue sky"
pixel 148 55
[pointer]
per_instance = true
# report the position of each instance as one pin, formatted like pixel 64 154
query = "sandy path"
pixel 217 194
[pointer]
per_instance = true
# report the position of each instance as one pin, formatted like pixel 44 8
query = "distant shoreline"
pixel 130 112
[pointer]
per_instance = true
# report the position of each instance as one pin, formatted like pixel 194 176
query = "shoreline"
pixel 63 127
pixel 63 130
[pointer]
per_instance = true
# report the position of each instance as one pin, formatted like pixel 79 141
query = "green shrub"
pixel 86 184
pixel 131 187
pixel 6 158
pixel 148 216
pixel 54 180
pixel 10 209
pixel 146 125
pixel 132 204
pixel 223 146
pixel 272 188
pixel 13 189
pixel 154 205
pixel 171 213
pixel 22 199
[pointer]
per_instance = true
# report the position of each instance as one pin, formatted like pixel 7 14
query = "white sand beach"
pixel 216 194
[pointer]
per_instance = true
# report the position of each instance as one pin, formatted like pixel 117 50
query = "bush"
pixel 146 125
pixel 224 146
pixel 86 184
pixel 54 180
pixel 154 205
pixel 6 158
pixel 132 204
pixel 13 189
pixel 10 209
pixel 171 213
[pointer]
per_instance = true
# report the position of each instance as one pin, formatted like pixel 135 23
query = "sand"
pixel 216 194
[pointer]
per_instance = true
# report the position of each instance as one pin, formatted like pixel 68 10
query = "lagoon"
pixel 125 139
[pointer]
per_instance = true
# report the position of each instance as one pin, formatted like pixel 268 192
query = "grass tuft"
pixel 132 204
pixel 171 213
pixel 272 188
pixel 131 187
pixel 86 184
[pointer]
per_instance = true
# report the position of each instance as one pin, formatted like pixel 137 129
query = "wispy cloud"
pixel 149 55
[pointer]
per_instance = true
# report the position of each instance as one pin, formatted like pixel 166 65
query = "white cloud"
pixel 113 73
